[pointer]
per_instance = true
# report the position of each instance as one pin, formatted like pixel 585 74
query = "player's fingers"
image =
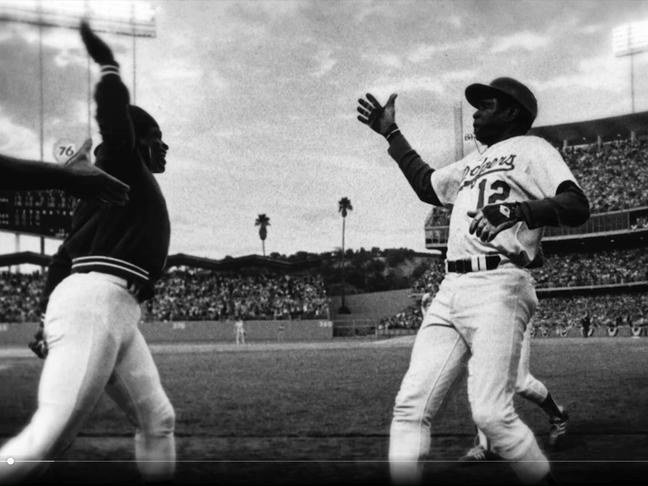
pixel 86 146
pixel 373 100
pixel 366 105
pixel 475 222
pixel 363 112
pixel 481 232
pixel 363 120
pixel 483 228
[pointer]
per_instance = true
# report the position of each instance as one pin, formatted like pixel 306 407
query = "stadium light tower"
pixel 630 40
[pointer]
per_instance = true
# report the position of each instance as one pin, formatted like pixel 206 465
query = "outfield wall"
pixel 373 305
pixel 201 331
pixel 309 330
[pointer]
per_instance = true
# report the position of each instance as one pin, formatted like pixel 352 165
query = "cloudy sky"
pixel 257 101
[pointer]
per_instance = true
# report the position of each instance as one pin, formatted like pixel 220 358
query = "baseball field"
pixel 319 413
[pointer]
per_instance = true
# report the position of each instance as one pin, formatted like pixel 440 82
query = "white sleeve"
pixel 446 181
pixel 546 169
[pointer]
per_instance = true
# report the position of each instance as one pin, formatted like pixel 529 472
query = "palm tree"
pixel 344 206
pixel 262 222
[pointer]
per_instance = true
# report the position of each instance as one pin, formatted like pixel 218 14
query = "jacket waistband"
pixel 112 266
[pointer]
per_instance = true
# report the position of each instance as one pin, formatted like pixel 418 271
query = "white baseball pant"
pixel 526 385
pixel 477 319
pixel 94 345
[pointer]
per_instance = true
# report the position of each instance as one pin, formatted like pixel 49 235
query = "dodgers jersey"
pixel 517 169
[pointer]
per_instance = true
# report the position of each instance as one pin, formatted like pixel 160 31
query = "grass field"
pixel 320 413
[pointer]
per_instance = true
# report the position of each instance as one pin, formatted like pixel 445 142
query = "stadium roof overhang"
pixel 585 132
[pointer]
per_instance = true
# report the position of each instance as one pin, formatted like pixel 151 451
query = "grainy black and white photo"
pixel 322 242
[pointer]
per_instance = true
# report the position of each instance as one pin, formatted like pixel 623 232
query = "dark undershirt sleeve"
pixel 569 207
pixel 20 174
pixel 416 171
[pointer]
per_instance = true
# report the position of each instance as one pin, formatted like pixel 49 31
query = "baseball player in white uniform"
pixel 239 331
pixel 501 199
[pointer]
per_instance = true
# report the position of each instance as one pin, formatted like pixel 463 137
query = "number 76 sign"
pixel 63 150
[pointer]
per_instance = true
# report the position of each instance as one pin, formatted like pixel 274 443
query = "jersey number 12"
pixel 500 192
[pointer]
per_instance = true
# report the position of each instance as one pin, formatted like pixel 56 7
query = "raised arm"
pixel 112 98
pixel 78 177
pixel 382 120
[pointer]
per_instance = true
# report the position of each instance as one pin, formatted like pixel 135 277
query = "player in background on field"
pixel 239 330
pixel 101 273
pixel 501 199
pixel 77 177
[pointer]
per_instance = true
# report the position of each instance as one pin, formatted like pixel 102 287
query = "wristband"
pixel 107 69
pixel 391 131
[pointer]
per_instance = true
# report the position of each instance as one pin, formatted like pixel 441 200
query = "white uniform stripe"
pixel 100 259
pixel 474 262
pixel 77 265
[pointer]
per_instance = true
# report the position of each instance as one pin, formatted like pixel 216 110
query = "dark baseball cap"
pixel 507 86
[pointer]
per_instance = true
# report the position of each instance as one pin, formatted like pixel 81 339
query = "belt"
pixel 476 263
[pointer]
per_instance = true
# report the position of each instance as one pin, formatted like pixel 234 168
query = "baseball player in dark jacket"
pixel 102 272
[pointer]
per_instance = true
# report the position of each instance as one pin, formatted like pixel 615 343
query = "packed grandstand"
pixel 599 271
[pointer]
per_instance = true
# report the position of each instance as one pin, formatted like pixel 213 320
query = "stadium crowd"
pixel 194 294
pixel 20 295
pixel 567 312
pixel 613 176
pixel 603 310
pixel 603 267
pixel 408 318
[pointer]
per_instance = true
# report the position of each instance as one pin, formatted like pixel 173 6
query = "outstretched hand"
pixel 97 48
pixel 90 182
pixel 379 118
